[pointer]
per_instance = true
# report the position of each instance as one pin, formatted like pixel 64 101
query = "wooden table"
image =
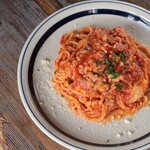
pixel 17 20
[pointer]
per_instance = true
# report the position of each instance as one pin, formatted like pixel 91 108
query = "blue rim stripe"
pixel 26 50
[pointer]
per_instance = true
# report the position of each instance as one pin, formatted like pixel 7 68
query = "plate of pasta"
pixel 84 76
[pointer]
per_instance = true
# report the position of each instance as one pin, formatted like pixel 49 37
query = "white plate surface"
pixel 48 109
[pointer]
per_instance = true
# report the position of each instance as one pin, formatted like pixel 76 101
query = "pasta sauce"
pixel 103 74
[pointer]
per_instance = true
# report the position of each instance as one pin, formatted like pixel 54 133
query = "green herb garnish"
pixel 107 62
pixel 115 74
pixel 95 90
pixel 111 70
pixel 125 68
pixel 122 55
pixel 123 59
pixel 97 62
pixel 118 86
pixel 85 48
pixel 114 60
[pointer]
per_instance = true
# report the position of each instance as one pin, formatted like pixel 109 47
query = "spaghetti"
pixel 103 74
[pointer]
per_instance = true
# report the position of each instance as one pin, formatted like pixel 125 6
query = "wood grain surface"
pixel 18 18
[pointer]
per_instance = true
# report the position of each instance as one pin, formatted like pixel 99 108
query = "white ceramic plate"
pixel 48 109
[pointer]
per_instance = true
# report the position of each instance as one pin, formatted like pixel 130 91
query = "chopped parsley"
pixel 115 74
pixel 111 70
pixel 95 90
pixel 86 48
pixel 125 68
pixel 118 86
pixel 122 55
pixel 97 62
pixel 114 60
pixel 107 62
